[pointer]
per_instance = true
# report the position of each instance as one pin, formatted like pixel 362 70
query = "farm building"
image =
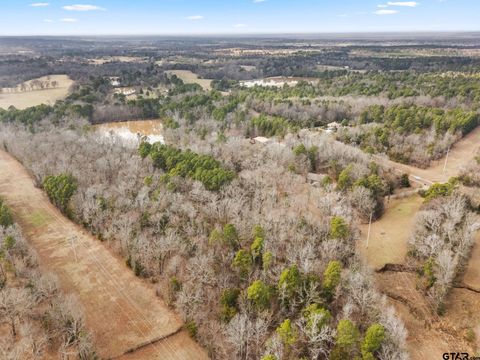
pixel 125 91
pixel 115 81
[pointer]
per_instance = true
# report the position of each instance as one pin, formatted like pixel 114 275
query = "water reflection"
pixel 134 130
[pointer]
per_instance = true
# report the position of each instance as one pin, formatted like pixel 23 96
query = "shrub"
pixel 270 125
pixel 192 328
pixel 405 181
pixel 300 150
pixel 229 303
pixel 316 316
pixel 60 189
pixel 269 357
pixel 258 231
pixel 175 284
pixel 144 149
pixel 331 278
pixel 439 190
pixel 373 340
pixel 287 333
pixel 260 294
pixel 6 218
pixel 187 164
pixel 345 179
pixel 230 235
pixel 257 248
pixel 290 281
pixel 338 228
pixel 470 335
pixel 243 262
pixel 216 237
pixel 267 260
pixel 374 183
pixel 169 123
pixel 347 339
pixel 429 273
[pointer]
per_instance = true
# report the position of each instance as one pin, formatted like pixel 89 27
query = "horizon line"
pixel 234 34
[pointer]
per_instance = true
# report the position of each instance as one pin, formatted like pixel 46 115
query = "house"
pixel 334 125
pixel 125 91
pixel 115 81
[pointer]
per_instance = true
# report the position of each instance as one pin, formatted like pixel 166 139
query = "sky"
pixel 199 17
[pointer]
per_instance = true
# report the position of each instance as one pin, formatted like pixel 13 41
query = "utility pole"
pixel 369 228
pixel 446 159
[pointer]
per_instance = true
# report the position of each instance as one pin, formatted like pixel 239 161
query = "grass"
pixel 189 77
pixel 38 219
pixel 23 99
pixel 389 236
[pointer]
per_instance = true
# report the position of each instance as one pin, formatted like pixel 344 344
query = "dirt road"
pixel 121 310
pixel 430 335
pixel 460 155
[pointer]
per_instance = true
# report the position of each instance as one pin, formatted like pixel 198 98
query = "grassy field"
pixel 27 94
pixel 189 77
pixel 389 235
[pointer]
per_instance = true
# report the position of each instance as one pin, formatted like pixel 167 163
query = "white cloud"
pixel 79 7
pixel 194 17
pixel 403 3
pixel 39 4
pixel 385 12
pixel 48 20
pixel 382 6
pixel 69 20
pixel 238 26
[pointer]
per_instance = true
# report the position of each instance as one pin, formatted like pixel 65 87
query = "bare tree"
pixel 14 303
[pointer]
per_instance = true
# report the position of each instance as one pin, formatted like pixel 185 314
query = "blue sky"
pixel 138 17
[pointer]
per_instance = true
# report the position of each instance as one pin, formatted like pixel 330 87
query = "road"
pixel 459 156
pixel 122 311
pixel 430 335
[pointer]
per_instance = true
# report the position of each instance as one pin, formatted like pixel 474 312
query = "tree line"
pixel 40 318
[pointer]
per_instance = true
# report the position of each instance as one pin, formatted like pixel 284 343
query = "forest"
pixel 222 217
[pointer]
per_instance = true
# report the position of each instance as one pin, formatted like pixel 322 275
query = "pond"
pixel 134 131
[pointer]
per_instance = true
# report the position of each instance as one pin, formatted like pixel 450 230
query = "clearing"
pixel 189 77
pixel 44 90
pixel 430 335
pixel 125 59
pixel 276 81
pixel 121 310
pixel 389 236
